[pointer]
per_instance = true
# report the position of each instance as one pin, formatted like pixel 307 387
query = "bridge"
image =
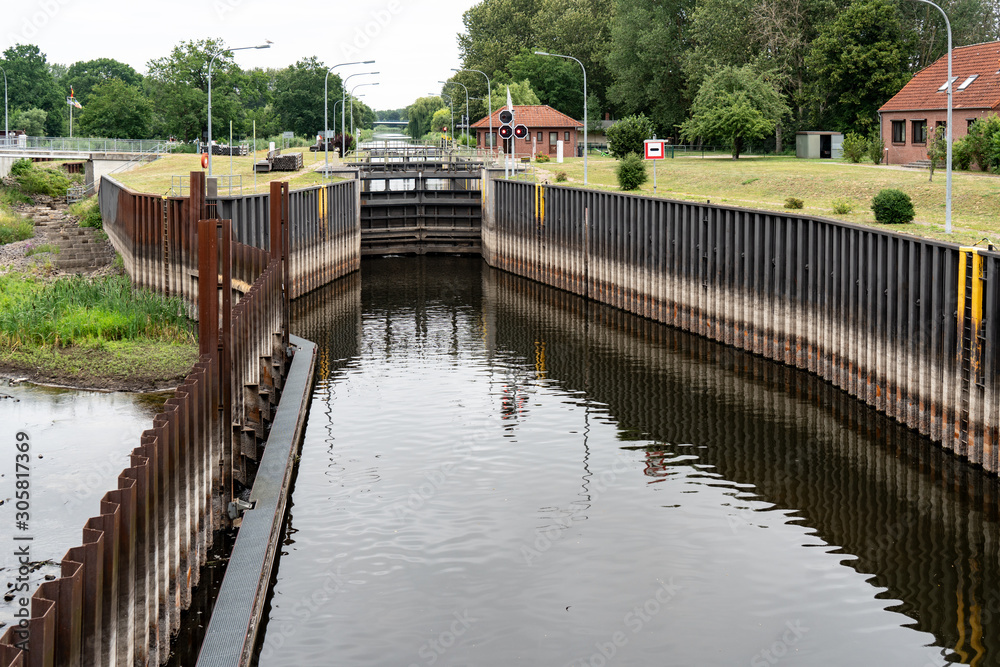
pixel 101 156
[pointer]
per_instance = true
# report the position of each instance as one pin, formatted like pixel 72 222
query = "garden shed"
pixel 819 145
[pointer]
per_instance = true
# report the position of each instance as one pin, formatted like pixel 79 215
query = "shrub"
pixel 855 147
pixel 627 136
pixel 982 143
pixel 561 177
pixel 842 206
pixel 89 213
pixel 542 157
pixel 20 167
pixel 794 202
pixel 34 181
pixel 631 172
pixel 338 139
pixel 892 207
pixel 961 158
pixel 876 148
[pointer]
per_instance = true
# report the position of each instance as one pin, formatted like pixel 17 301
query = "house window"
pixel 968 82
pixel 919 131
pixel 567 137
pixel 899 131
pixel 541 136
pixel 553 138
pixel 969 122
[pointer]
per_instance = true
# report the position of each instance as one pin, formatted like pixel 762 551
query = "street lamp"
pixel 451 101
pixel 343 110
pixel 557 55
pixel 489 97
pixel 326 122
pixel 466 101
pixel 265 45
pixel 947 187
pixel 6 130
pixel 352 104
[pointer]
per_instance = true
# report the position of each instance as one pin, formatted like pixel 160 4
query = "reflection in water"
pixel 498 473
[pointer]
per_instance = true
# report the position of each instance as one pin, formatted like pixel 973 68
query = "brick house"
pixel 545 127
pixel 907 119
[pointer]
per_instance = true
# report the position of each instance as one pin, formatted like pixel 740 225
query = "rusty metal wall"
pixel 324 228
pixel 902 323
pixel 121 592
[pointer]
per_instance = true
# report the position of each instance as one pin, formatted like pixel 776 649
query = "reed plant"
pixel 77 310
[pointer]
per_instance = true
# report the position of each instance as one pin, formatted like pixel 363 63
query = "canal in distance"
pixel 497 473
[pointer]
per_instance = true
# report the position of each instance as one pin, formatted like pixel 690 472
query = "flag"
pixel 72 100
pixel 510 105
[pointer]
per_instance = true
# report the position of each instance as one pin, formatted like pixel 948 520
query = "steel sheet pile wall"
pixel 324 228
pixel 899 322
pixel 121 593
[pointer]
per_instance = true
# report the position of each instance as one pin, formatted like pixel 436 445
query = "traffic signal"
pixel 506 117
pixel 520 131
pixel 505 131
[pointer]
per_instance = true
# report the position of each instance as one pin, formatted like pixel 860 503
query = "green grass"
pixel 45 247
pixel 14 227
pixel 823 185
pixel 89 213
pixel 155 177
pixel 81 311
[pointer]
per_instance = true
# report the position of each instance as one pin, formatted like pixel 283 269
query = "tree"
pixel 420 114
pixel 628 135
pixel 520 94
pixel 179 85
pixel 116 109
pixel 860 61
pixel 735 105
pixel 496 30
pixel 298 97
pixel 30 85
pixel 557 82
pixel 648 39
pixel 441 119
pixel 83 76
pixel 582 29
pixel 30 121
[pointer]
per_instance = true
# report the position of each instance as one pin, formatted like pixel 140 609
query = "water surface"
pixel 495 473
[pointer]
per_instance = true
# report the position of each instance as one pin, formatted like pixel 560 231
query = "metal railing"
pixel 83 144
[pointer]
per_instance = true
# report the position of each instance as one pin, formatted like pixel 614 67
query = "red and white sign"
pixel 654 149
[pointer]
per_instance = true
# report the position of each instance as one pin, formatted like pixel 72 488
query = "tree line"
pixel 171 99
pixel 830 63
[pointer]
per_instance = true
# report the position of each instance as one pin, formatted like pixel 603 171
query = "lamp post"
pixel 557 55
pixel 947 187
pixel 375 83
pixel 489 98
pixel 343 110
pixel 6 130
pixel 326 122
pixel 266 45
pixel 466 100
pixel 451 101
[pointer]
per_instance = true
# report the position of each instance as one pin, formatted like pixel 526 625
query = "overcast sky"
pixel 413 43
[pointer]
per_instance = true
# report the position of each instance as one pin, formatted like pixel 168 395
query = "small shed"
pixel 819 145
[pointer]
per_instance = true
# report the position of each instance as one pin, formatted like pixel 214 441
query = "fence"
pixel 92 145
pixel 902 323
pixel 121 592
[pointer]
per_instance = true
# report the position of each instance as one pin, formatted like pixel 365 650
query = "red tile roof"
pixel 921 93
pixel 534 115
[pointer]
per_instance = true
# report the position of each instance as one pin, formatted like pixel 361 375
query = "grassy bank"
pixel 156 177
pixel 92 333
pixel 766 182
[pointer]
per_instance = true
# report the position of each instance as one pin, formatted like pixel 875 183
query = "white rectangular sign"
pixel 654 149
